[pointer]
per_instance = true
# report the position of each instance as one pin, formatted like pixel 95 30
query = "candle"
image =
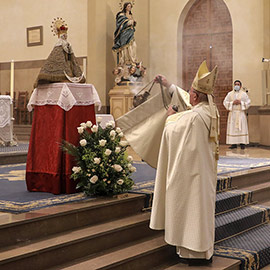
pixel 12 79
pixel 84 67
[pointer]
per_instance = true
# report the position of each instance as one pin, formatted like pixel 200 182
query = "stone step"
pixel 143 255
pixel 260 192
pixel 65 218
pixel 250 177
pixel 13 157
pixel 75 244
pixel 218 263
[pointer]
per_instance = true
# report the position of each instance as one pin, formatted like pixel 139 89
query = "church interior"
pixel 52 225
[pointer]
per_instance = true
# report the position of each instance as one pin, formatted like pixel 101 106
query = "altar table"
pixel 59 110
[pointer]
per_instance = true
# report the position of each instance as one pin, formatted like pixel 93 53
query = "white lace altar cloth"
pixel 65 95
pixel 5 118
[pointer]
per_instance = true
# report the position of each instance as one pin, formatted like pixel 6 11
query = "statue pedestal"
pixel 264 114
pixel 121 99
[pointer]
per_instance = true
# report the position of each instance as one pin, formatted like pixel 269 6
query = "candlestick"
pixel 12 79
pixel 84 67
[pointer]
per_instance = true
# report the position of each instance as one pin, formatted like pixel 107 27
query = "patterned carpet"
pixel 15 198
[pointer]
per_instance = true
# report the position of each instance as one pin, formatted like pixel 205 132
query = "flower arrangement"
pixel 103 167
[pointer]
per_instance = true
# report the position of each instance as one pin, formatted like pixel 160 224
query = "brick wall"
pixel 207 34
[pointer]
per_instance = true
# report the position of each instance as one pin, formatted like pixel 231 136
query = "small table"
pixel 59 110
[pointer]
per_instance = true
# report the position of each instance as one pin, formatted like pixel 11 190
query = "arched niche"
pixel 205 33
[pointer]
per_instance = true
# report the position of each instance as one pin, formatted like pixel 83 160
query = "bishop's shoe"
pixel 199 262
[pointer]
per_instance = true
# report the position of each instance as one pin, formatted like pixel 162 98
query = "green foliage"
pixel 103 167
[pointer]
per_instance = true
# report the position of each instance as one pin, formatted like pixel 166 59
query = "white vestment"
pixel 185 185
pixel 143 126
pixel 237 127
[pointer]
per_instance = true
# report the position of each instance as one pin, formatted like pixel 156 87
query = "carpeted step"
pixel 251 247
pixel 45 222
pixel 224 183
pixel 232 199
pixel 75 244
pixel 237 221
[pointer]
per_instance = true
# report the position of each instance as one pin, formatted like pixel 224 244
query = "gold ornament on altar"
pixel 121 3
pixel 58 26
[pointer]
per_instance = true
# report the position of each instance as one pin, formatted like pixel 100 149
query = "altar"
pixel 59 108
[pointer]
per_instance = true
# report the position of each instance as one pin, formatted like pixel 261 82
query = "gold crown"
pixel 204 80
pixel 121 3
pixel 58 26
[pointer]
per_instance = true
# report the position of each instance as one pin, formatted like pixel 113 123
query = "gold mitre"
pixel 204 80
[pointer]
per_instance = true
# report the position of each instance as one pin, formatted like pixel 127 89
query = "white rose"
pixel 121 134
pixel 102 142
pixel 108 124
pixel 94 128
pixel 83 142
pixel 129 165
pixel 117 150
pixel 99 119
pixel 117 167
pixel 107 152
pixel 120 181
pixel 89 124
pixel 76 169
pixel 97 160
pixel 112 133
pixel 83 125
pixel 118 130
pixel 93 179
pixel 80 130
pixel 133 169
pixel 112 124
pixel 130 158
pixel 123 143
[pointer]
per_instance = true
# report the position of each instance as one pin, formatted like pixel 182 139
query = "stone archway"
pixel 206 33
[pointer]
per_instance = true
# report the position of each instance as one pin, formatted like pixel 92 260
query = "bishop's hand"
pixel 162 80
pixel 171 110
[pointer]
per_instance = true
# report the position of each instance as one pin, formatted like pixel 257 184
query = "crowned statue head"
pixel 59 28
